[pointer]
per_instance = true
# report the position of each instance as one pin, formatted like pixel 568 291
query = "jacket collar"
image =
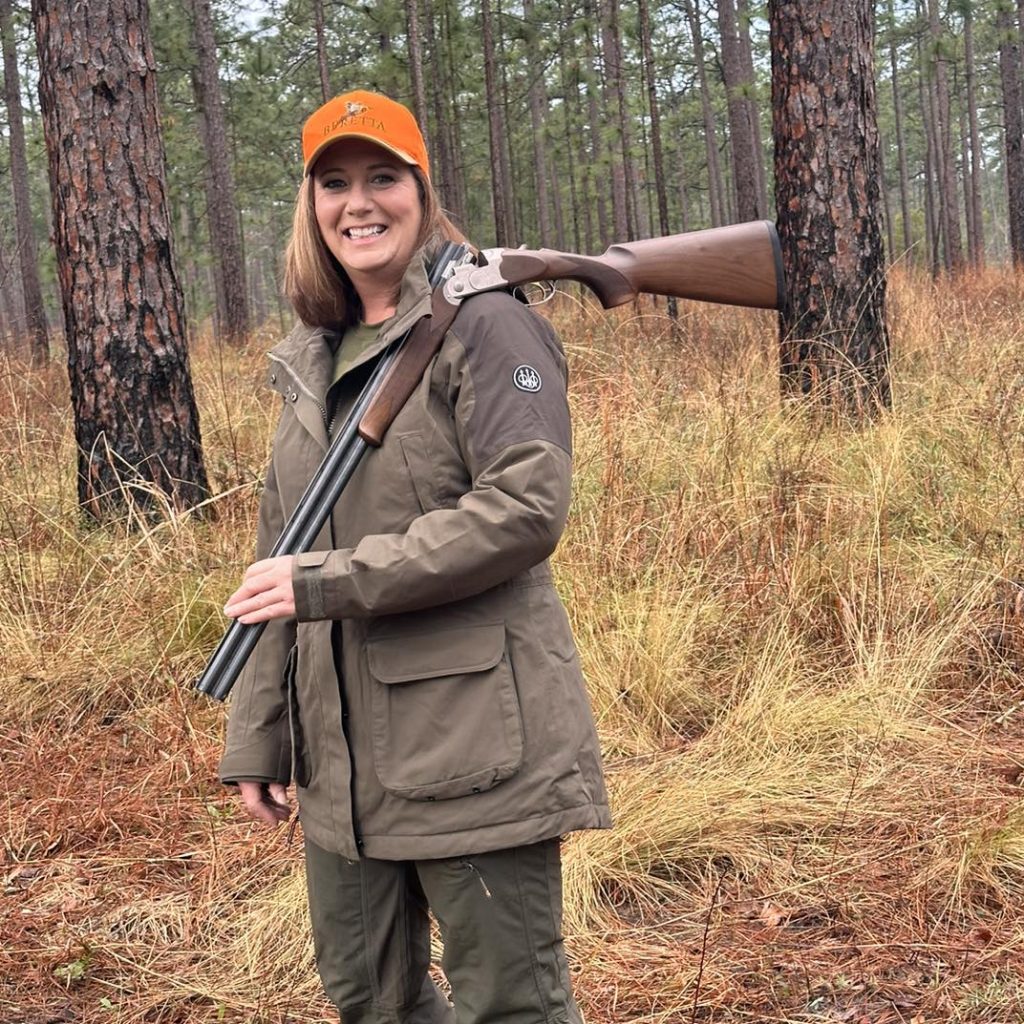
pixel 308 352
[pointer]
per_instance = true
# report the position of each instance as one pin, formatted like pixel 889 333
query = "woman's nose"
pixel 358 197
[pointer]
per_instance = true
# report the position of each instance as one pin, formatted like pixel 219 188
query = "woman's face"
pixel 368 210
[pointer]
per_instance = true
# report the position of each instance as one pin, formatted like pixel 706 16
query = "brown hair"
pixel 315 283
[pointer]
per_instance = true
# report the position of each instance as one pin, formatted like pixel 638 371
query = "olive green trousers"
pixel 500 918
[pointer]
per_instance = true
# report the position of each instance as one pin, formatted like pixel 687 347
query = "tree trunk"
pixel 615 111
pixel 500 195
pixel 741 137
pixel 136 423
pixel 835 345
pixel 443 153
pixel 509 155
pixel 225 230
pixel 596 185
pixel 570 124
pixel 538 118
pixel 1013 119
pixel 901 146
pixel 656 152
pixel 977 236
pixel 321 50
pixel 35 313
pixel 946 163
pixel 931 221
pixel 419 93
pixel 715 189
pixel 753 113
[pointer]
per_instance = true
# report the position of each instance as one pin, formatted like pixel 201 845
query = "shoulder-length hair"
pixel 314 281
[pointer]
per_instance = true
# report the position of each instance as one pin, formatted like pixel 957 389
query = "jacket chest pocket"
pixel 446 719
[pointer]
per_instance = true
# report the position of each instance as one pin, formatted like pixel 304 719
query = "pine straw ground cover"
pixel 804 644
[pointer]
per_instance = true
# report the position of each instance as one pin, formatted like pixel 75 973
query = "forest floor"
pixel 805 647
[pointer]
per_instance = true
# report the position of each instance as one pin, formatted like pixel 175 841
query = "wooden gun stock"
pixel 740 265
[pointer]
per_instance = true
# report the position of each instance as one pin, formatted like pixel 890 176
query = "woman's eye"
pixel 332 183
pixel 383 179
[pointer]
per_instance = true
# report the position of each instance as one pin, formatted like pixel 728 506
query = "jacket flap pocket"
pixel 445 652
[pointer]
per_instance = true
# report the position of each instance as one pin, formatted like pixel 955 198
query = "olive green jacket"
pixel 434 704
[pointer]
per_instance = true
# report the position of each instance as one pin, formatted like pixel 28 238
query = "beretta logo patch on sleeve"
pixel 526 378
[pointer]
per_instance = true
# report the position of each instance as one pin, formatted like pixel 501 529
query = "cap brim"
pixel 328 142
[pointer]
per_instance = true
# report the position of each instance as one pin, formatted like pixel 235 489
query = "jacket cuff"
pixel 267 761
pixel 308 585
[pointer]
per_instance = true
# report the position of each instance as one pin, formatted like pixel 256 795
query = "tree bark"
pixel 1013 120
pixel 835 345
pixel 222 215
pixel 24 232
pixel 136 423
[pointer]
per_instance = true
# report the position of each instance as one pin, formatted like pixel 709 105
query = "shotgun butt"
pixel 738 265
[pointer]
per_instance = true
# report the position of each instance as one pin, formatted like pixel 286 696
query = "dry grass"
pixel 804 644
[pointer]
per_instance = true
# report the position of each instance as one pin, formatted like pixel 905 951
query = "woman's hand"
pixel 266 592
pixel 266 801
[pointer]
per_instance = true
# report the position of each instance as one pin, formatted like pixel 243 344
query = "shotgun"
pixel 737 265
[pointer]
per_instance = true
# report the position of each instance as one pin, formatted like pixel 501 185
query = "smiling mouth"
pixel 371 231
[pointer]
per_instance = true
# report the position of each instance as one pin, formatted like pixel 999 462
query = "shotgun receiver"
pixel 738 265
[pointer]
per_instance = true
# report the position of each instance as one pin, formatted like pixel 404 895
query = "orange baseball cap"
pixel 365 115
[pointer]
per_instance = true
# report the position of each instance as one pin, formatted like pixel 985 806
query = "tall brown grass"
pixel 804 643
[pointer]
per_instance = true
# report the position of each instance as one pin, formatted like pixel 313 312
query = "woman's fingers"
pixel 266 592
pixel 265 802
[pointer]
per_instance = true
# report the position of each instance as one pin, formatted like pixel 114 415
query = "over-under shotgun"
pixel 738 265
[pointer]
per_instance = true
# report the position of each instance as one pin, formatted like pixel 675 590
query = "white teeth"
pixel 376 229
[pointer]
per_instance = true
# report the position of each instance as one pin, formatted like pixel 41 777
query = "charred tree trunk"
pixel 24 232
pixel 136 423
pixel 835 345
pixel 225 230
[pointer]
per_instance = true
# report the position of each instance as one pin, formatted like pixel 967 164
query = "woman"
pixel 417 679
